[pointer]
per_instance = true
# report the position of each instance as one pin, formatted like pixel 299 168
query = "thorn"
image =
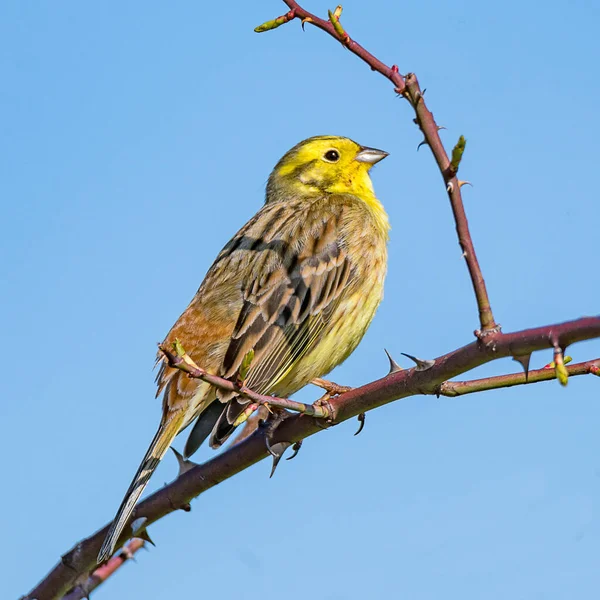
pixel 394 366
pixel 137 525
pixel 450 187
pixel 276 451
pixel 361 420
pixel 296 448
pixel 524 360
pixel 185 465
pixel 144 535
pixel 138 528
pixel 268 427
pixel 440 127
pixel 307 20
pixel 423 92
pixel 422 365
pixel 461 183
pixel 423 143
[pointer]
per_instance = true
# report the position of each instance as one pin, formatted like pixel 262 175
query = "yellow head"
pixel 324 164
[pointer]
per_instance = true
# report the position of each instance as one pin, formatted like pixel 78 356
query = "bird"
pixel 298 284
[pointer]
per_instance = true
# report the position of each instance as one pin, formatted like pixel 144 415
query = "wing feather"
pixel 284 313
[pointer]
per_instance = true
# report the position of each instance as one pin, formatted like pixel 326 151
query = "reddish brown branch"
pixel 408 87
pixel 460 388
pixel 185 363
pixel 101 574
pixel 193 481
pixel 82 558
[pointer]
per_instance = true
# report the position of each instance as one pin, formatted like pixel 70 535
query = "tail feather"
pixel 224 425
pixel 160 444
pixel 203 427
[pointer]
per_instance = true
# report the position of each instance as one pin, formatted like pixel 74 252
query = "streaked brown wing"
pixel 284 312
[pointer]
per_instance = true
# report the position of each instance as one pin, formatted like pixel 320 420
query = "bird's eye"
pixel 332 156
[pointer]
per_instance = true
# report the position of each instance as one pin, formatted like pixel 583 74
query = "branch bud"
pixel 561 372
pixel 334 18
pixel 275 23
pixel 457 153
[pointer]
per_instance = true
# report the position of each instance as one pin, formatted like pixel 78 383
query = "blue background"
pixel 137 138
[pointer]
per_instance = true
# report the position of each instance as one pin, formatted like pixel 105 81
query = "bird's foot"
pixel 332 388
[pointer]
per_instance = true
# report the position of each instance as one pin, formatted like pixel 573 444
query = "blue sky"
pixel 137 138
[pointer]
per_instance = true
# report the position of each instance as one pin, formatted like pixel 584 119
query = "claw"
pixel 361 420
pixel 296 448
pixel 422 365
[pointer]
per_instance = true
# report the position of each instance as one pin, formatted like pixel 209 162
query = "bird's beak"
pixel 370 155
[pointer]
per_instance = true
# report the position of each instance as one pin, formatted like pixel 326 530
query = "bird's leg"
pixel 332 388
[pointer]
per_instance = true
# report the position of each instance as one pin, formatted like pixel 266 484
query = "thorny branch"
pixel 429 377
pixel 103 572
pixel 408 87
pixel 196 479
pixel 183 362
pixel 452 389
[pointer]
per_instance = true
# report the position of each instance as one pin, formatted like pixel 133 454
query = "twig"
pixel 187 365
pixel 101 574
pixel 452 389
pixel 408 87
pixel 398 384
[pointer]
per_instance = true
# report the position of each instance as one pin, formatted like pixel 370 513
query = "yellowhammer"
pixel 299 284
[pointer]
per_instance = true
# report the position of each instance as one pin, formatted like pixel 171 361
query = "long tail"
pixel 168 429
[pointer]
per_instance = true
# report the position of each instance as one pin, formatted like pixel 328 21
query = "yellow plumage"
pixel 299 285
